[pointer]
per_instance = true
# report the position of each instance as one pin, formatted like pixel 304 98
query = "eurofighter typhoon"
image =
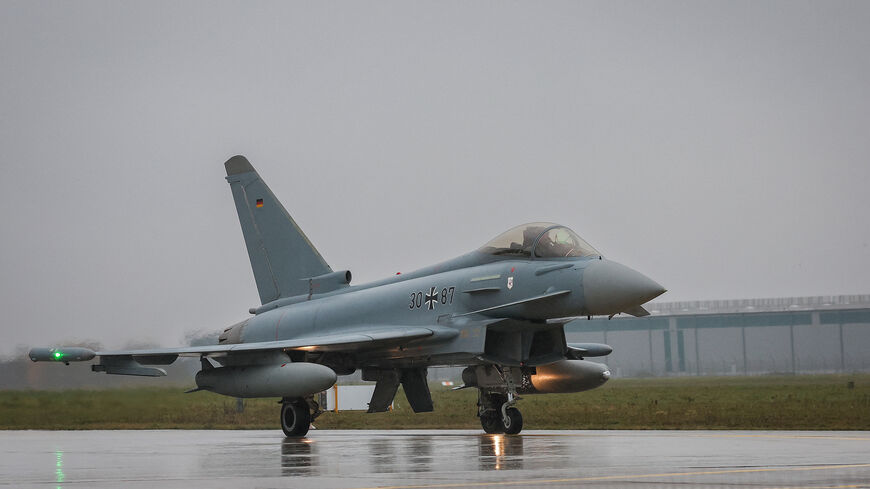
pixel 499 310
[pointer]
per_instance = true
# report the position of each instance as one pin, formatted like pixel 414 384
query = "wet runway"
pixel 434 459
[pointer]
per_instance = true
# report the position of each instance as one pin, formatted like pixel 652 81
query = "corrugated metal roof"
pixel 778 304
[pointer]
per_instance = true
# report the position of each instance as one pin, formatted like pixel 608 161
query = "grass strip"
pixel 817 402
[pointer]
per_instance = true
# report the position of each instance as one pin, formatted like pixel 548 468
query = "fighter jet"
pixel 499 311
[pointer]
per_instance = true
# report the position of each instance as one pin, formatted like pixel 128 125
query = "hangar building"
pixel 751 336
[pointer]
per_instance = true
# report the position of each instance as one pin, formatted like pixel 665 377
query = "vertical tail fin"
pixel 281 255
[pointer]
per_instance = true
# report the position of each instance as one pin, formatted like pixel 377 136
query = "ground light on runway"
pixel 58 454
pixel 414 459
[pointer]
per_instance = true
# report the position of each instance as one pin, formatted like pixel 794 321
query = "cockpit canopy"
pixel 541 240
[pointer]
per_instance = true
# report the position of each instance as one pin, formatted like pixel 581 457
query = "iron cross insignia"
pixel 431 298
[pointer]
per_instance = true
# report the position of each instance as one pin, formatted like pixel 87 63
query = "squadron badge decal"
pixel 510 283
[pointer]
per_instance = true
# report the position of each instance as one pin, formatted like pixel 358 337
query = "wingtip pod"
pixel 66 355
pixel 238 164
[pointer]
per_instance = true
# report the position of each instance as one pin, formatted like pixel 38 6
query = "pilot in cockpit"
pixel 529 236
pixel 556 242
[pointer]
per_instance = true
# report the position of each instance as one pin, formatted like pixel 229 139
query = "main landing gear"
pixel 297 415
pixel 497 410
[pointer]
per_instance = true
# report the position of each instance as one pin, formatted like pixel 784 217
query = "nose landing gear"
pixel 496 408
pixel 491 422
pixel 512 420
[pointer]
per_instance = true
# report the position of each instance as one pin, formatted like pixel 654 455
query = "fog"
pixel 719 147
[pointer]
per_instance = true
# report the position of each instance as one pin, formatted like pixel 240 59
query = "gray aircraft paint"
pixel 389 304
pixel 500 310
pixel 269 233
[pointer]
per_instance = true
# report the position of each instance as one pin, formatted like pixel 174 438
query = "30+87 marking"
pixel 428 299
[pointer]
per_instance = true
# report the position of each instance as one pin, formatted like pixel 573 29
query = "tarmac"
pixel 434 459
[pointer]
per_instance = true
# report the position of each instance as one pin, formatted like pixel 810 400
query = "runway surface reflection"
pixel 434 459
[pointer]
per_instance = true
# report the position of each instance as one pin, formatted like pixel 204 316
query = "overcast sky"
pixel 719 147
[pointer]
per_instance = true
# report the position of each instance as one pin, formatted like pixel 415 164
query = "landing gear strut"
pixel 295 417
pixel 496 409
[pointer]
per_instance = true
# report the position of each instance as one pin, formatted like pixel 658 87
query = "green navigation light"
pixel 58 355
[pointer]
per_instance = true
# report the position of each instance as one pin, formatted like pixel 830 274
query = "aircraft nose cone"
pixel 611 288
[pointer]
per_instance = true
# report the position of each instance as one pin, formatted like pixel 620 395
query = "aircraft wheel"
pixel 491 422
pixel 295 418
pixel 513 422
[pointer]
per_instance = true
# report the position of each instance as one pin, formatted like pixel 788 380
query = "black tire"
pixel 491 422
pixel 295 418
pixel 514 422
